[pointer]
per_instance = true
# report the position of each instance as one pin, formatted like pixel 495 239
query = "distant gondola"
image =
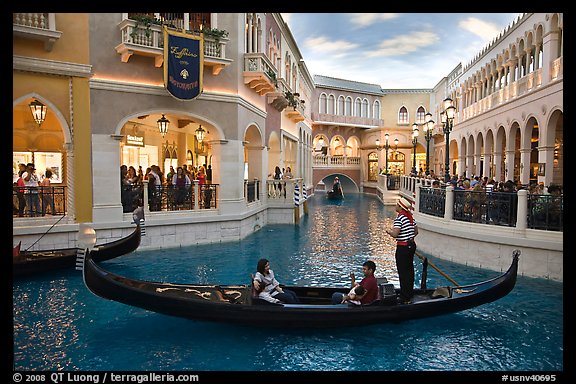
pixel 25 263
pixel 334 195
pixel 235 303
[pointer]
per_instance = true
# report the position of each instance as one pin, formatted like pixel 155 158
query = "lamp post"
pixel 447 118
pixel 428 127
pixel 386 147
pixel 414 142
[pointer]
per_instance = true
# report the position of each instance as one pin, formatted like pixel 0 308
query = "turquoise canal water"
pixel 60 325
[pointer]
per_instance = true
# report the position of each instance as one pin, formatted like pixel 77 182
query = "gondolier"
pixel 404 229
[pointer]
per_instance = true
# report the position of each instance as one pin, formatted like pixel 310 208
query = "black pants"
pixel 405 266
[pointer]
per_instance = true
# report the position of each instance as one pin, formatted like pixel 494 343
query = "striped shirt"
pixel 406 229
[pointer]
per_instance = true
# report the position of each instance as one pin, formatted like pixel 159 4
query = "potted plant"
pixel 143 21
pixel 215 33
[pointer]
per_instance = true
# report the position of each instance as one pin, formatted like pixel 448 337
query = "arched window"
pixel 288 64
pixel 271 46
pixel 252 32
pixel 376 109
pixel 420 115
pixel 331 105
pixel 340 110
pixel 348 107
pixel 358 107
pixel 372 166
pixel 322 103
pixel 403 117
pixel 364 108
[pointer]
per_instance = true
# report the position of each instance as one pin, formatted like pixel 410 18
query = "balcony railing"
pixel 349 120
pixel 522 86
pixel 283 191
pixel 518 209
pixel 169 197
pixel 321 161
pixel 38 201
pixel 251 191
pixel 137 40
pixel 259 73
pixel 36 26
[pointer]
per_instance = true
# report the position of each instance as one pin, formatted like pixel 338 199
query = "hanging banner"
pixel 183 64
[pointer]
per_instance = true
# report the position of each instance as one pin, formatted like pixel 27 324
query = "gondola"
pixel 26 263
pixel 335 194
pixel 236 303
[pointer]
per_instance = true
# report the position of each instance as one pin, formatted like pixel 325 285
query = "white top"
pixel 270 284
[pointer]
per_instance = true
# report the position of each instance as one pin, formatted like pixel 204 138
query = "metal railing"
pixel 432 201
pixel 545 212
pixel 169 197
pixel 251 190
pixel 38 201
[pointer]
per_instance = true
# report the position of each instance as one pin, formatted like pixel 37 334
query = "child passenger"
pixel 358 290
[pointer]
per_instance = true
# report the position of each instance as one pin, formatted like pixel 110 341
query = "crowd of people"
pixel 181 179
pixel 34 192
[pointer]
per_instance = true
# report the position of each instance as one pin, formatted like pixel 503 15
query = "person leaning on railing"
pixel 47 193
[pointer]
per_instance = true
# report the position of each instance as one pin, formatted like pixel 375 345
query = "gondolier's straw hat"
pixel 404 204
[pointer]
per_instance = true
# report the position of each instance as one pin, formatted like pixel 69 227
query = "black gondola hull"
pixel 29 263
pixel 233 304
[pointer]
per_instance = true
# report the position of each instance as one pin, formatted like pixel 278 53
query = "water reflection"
pixel 59 324
pixel 343 236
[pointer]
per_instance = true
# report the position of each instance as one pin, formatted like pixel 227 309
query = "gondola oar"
pixel 438 269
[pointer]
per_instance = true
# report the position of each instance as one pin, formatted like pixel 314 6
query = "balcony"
pixel 296 114
pixel 363 122
pixel 259 73
pixel 522 86
pixel 150 42
pixel 36 26
pixel 277 98
pixel 337 161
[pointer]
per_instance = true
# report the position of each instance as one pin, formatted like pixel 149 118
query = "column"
pixel 469 164
pixel 486 167
pixel 249 33
pixel 497 166
pixel 525 165
pixel 549 54
pixel 536 56
pixel 528 57
pixel 510 157
pixel 546 156
pixel 512 64
pixel 477 157
pixel 70 181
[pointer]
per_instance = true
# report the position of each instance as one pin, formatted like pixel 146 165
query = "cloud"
pixel 486 30
pixel 362 20
pixel 404 44
pixel 325 45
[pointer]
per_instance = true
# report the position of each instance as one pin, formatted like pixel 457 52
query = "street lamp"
pixel 428 127
pixel 447 118
pixel 414 142
pixel 387 147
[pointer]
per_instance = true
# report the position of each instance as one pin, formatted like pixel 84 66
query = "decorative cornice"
pixel 53 67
